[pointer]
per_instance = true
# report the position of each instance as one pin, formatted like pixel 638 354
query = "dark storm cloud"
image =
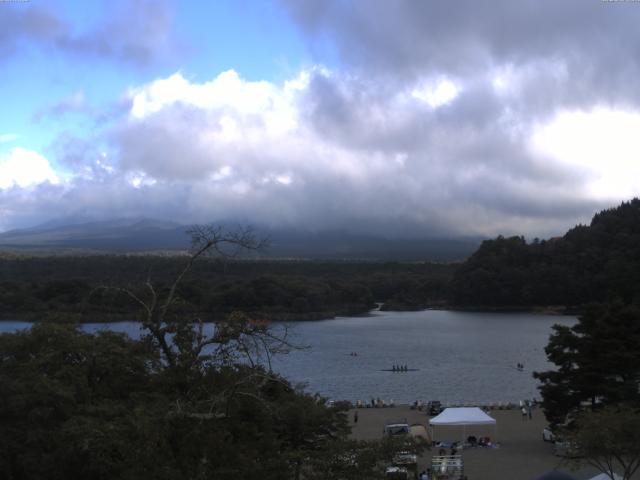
pixel 551 56
pixel 475 133
pixel 460 37
pixel 575 52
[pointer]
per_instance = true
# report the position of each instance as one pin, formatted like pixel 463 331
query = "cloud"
pixel 603 142
pixel 320 151
pixel 335 150
pixel 24 168
pixel 74 103
pixel 137 33
pixel 572 52
pixel 19 25
pixel 436 119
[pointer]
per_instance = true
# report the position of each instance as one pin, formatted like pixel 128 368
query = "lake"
pixel 460 356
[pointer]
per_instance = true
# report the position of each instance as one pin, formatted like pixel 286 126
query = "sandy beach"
pixel 522 454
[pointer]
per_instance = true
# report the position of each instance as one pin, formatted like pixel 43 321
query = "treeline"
pixel 90 287
pixel 179 402
pixel 104 406
pixel 595 263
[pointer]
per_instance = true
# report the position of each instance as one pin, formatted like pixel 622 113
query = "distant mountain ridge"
pixel 148 234
pixel 117 234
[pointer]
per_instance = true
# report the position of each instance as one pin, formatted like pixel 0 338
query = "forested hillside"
pixel 593 263
pixel 45 287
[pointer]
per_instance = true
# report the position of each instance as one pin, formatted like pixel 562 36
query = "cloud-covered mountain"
pixel 142 235
pixel 407 119
pixel 110 235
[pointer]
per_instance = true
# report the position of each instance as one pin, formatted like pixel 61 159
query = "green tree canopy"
pixel 595 263
pixel 609 440
pixel 597 360
pixel 183 402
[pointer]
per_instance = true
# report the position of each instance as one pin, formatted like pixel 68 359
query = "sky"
pixel 405 118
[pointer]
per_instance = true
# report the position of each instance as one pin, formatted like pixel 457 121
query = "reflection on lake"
pixel 461 356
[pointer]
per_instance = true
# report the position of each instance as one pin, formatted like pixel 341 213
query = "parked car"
pixel 405 459
pixel 396 427
pixel 548 435
pixel 397 473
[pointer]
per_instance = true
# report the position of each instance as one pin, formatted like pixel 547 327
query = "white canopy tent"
pixel 604 476
pixel 462 416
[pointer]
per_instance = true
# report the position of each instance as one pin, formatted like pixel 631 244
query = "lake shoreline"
pixel 560 310
pixel 74 317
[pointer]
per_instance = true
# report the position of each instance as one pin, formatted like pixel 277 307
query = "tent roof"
pixel 462 416
pixel 604 476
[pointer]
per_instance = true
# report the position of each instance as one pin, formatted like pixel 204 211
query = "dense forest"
pixel 59 286
pixel 176 403
pixel 104 406
pixel 594 263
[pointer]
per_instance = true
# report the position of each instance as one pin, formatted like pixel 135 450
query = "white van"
pixel 396 427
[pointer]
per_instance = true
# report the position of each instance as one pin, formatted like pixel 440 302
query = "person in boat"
pixel 393 369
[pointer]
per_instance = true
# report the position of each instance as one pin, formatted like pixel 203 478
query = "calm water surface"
pixel 461 356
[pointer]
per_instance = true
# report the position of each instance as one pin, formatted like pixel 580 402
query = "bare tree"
pixel 609 440
pixel 183 342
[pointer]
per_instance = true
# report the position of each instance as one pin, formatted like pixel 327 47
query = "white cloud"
pixel 226 92
pixel 436 94
pixel 25 168
pixel 602 143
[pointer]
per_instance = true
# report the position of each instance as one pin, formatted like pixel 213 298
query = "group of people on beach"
pixel 378 403
pixel 399 368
